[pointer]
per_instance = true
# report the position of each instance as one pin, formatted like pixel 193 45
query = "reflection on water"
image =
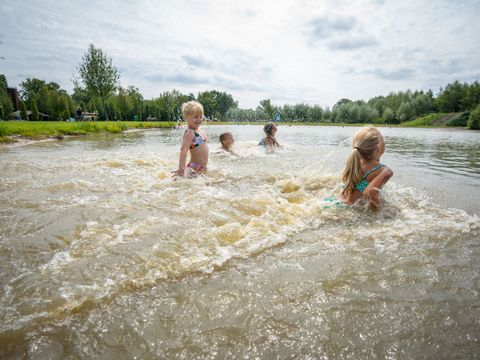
pixel 104 255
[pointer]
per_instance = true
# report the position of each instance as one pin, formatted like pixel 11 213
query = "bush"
pixel 474 120
pixel 460 120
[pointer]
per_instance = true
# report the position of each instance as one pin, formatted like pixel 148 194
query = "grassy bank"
pixel 36 130
pixel 424 121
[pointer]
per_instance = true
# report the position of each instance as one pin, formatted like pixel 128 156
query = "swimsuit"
pixel 197 140
pixel 197 167
pixel 363 183
pixel 333 201
pixel 262 142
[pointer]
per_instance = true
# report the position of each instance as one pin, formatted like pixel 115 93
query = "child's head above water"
pixel 270 129
pixel 227 140
pixel 368 142
pixel 192 112
pixel 367 146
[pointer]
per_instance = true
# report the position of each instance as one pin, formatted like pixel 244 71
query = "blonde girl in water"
pixel 194 140
pixel 363 174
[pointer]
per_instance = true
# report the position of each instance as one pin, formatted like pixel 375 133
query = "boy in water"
pixel 227 141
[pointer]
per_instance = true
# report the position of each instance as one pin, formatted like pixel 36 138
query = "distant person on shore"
pixel 195 140
pixel 79 113
pixel 226 142
pixel 364 175
pixel 269 141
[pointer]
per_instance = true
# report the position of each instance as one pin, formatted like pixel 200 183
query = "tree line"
pixel 97 90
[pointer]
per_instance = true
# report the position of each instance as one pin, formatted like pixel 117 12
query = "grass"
pixel 36 130
pixel 423 121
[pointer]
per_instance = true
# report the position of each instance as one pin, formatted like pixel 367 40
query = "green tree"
pixel 98 75
pixel 388 115
pixel 267 108
pixel 23 110
pixel 6 106
pixel 34 109
pixel 474 120
pixel 65 109
pixel 30 87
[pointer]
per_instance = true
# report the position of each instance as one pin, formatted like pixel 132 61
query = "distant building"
pixel 14 96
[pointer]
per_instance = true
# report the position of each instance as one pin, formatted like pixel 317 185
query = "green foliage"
pixel 3 82
pixel 23 110
pixel 30 87
pixel 98 75
pixel 216 104
pixel 474 119
pixel 388 115
pixel 424 120
pixel 456 97
pixel 6 106
pixel 34 108
pixel 460 121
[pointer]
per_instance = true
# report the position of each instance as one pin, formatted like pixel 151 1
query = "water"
pixel 103 255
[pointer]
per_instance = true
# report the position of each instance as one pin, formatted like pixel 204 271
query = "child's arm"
pixel 372 192
pixel 187 140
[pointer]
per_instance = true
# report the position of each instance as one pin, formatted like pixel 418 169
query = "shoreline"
pixel 17 140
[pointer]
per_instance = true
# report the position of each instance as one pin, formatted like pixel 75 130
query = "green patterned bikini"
pixel 360 186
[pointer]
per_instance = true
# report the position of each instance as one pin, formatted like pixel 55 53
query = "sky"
pixel 303 51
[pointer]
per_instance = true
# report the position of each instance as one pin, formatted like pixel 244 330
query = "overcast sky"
pixel 314 52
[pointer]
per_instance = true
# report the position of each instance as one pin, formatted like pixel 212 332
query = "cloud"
pixel 338 33
pixel 197 61
pixel 323 27
pixel 352 43
pixel 396 74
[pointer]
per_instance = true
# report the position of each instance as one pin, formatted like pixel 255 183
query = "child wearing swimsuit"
pixel 194 140
pixel 269 141
pixel 363 174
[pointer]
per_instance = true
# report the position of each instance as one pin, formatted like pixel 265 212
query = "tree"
pixel 98 75
pixel 23 110
pixel 65 110
pixel 388 115
pixel 30 87
pixel 6 106
pixel 474 120
pixel 34 107
pixel 267 108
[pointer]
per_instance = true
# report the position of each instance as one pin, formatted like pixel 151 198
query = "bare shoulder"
pixel 189 133
pixel 386 173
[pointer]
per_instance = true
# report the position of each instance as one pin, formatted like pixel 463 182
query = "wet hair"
pixel 223 136
pixel 268 129
pixel 364 144
pixel 192 108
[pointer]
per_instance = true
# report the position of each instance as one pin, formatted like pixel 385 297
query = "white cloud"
pixel 288 51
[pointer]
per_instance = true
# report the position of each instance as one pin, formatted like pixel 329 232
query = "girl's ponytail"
pixel 365 142
pixel 352 173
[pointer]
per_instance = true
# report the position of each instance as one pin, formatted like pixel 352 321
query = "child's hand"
pixel 179 172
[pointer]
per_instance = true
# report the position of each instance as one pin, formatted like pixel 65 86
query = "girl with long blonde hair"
pixel 363 174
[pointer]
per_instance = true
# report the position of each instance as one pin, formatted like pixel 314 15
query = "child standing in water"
pixel 194 139
pixel 226 142
pixel 363 174
pixel 270 129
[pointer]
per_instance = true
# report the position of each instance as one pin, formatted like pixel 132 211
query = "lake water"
pixel 103 255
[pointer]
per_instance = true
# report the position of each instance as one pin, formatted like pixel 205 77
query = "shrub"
pixel 460 120
pixel 474 120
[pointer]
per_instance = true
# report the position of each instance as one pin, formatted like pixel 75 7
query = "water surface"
pixel 103 255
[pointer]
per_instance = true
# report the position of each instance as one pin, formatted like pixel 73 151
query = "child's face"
pixel 228 141
pixel 194 121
